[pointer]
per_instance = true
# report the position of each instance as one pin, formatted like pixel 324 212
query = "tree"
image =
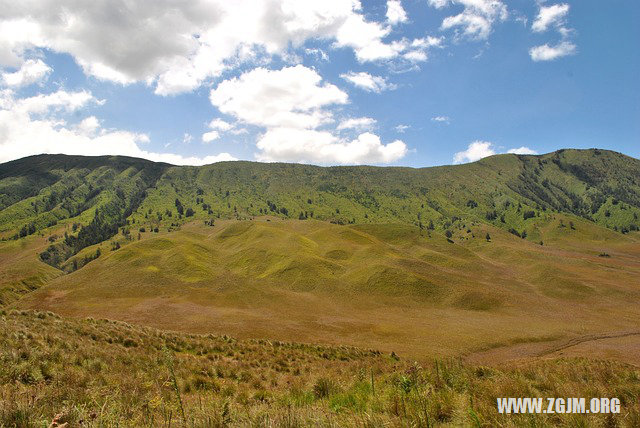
pixel 448 234
pixel 488 237
pixel 189 212
pixel 491 215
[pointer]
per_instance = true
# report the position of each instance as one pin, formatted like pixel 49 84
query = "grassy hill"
pixel 383 285
pixel 100 195
pixel 357 255
pixel 598 185
pixel 521 263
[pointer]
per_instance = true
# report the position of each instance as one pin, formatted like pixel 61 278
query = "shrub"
pixel 324 387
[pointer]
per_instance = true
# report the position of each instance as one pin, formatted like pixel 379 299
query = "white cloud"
pixel 187 138
pixel 312 146
pixel 441 119
pixel 475 151
pixel 357 123
pixel 395 13
pixel 550 16
pixel 549 53
pixel 59 101
pixel 553 16
pixel 292 104
pixel 290 97
pixel 481 149
pixel 38 124
pixel 208 137
pixel 522 151
pixel 32 71
pixel 368 82
pixel 88 126
pixel 177 45
pixel 476 19
pixel 317 53
pixel 220 125
pixel 439 4
pixel 401 128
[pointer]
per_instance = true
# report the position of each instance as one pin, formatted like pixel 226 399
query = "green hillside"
pixel 507 271
pixel 601 186
pixel 78 202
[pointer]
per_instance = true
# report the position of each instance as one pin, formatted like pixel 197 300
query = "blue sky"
pixel 398 82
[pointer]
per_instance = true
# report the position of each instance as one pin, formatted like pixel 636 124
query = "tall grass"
pixel 104 373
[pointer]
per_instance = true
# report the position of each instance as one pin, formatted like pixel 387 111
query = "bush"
pixel 324 387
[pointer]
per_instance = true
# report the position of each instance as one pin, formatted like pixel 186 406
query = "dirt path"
pixel 622 346
pixel 586 338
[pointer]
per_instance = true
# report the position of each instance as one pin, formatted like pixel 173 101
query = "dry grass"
pixel 383 286
pixel 105 373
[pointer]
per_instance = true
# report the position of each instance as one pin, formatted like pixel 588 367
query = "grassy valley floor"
pixel 391 287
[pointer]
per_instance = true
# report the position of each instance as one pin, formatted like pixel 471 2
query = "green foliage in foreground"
pixel 103 373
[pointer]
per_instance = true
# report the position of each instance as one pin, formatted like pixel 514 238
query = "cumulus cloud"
pixel 32 71
pixel 357 123
pixel 88 126
pixel 39 124
pixel 220 125
pixel 60 100
pixel 401 128
pixel 475 151
pixel 292 104
pixel 547 52
pixel 550 16
pixel 312 146
pixel 290 97
pixel 208 137
pixel 395 12
pixel 481 149
pixel 522 151
pixel 177 45
pixel 553 16
pixel 476 19
pixel 368 82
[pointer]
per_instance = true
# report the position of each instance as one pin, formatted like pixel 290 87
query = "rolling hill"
pixel 433 261
pixel 511 262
